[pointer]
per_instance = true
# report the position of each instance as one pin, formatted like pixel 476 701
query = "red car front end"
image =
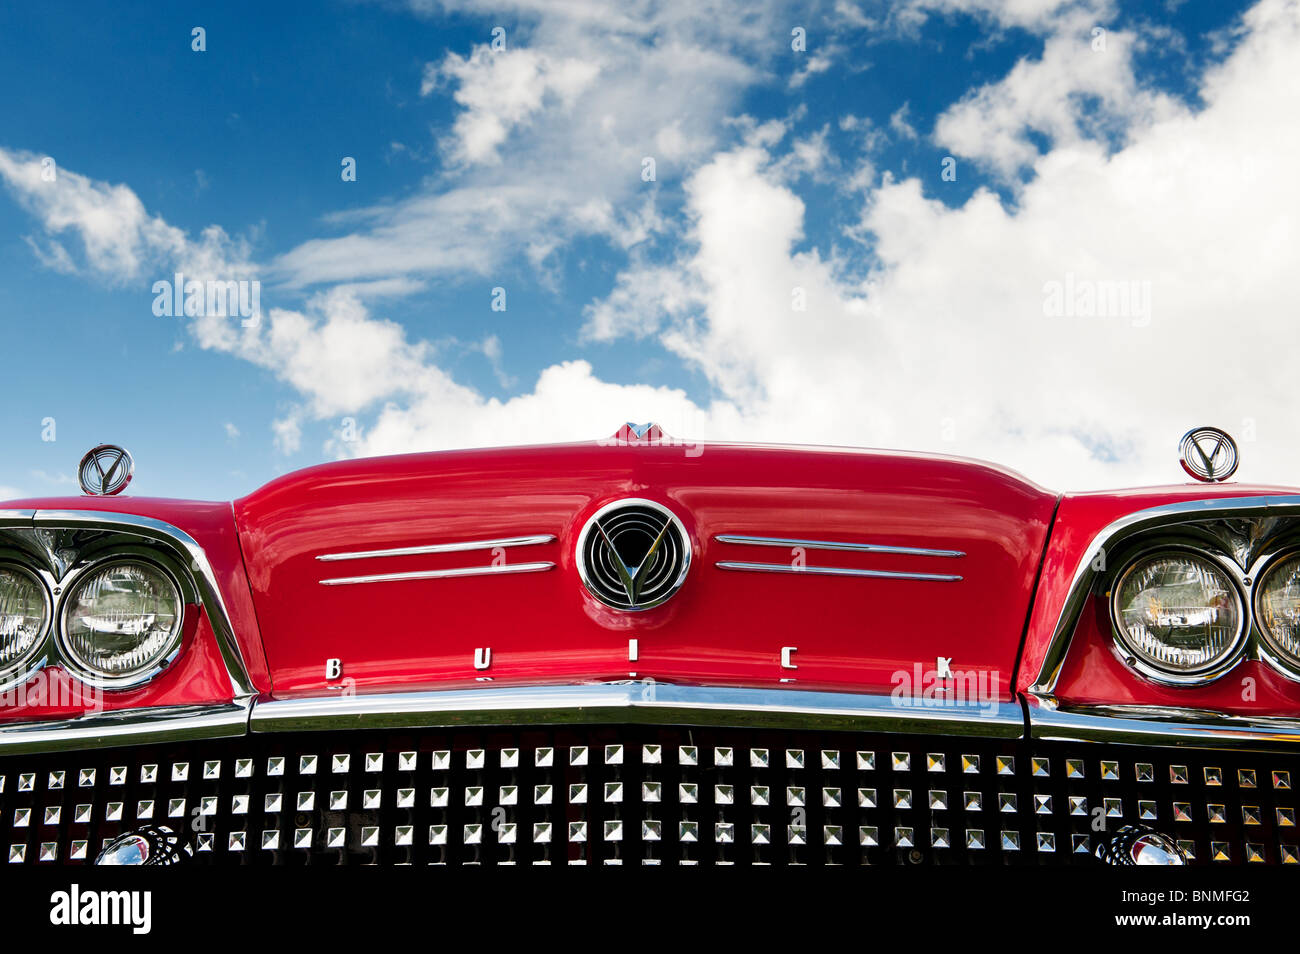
pixel 636 651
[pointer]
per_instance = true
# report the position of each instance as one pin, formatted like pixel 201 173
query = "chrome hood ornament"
pixel 105 470
pixel 1208 454
pixel 633 554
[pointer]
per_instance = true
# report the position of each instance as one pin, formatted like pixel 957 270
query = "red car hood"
pixel 723 627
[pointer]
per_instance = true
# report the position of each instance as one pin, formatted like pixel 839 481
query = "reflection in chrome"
pixel 440 574
pixel 459 547
pixel 128 727
pixel 1053 721
pixel 835 571
pixel 105 470
pixel 151 845
pixel 789 543
pixel 1139 845
pixel 1208 454
pixel 638 702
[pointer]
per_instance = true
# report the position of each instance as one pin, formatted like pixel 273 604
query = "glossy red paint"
pixel 198 676
pixel 724 627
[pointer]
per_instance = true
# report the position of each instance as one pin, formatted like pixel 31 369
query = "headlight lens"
pixel 122 620
pixel 1279 608
pixel 23 615
pixel 1178 613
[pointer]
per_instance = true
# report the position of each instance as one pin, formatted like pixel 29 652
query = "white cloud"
pixel 1036 15
pixel 898 122
pixel 949 349
pixel 287 433
pixel 551 135
pixel 1071 93
pixel 10 493
pixel 500 90
pixel 115 231
pixel 232 432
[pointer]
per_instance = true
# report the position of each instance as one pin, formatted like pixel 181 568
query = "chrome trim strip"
pixel 205 579
pixel 654 703
pixel 127 727
pixel 1157 725
pixel 461 547
pixel 1142 520
pixel 647 702
pixel 835 571
pixel 440 574
pixel 16 518
pixel 830 545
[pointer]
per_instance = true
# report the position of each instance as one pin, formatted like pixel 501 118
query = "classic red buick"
pixel 638 651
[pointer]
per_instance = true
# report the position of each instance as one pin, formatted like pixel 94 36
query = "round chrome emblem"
pixel 1208 454
pixel 105 470
pixel 633 554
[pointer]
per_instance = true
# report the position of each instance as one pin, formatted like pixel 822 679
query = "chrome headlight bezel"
pixel 82 671
pixel 1135 660
pixel 1268 648
pixel 33 659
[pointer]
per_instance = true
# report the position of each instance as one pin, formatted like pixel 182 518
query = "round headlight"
pixel 24 612
pixel 122 620
pixel 1278 609
pixel 1178 613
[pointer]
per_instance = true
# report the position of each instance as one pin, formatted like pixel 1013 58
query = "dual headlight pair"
pixel 116 624
pixel 1181 618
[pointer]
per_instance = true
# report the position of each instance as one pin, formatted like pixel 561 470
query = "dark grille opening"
pixel 637 794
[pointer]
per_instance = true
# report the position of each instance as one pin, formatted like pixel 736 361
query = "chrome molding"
pixel 459 547
pixel 789 543
pixel 1157 725
pixel 647 702
pixel 490 570
pixel 835 571
pixel 1141 521
pixel 127 727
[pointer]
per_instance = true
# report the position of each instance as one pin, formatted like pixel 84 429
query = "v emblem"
pixel 633 577
pixel 1208 459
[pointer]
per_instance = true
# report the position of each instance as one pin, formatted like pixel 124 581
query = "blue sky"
pixel 521 168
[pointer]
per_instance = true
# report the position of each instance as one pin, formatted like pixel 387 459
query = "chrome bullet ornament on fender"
pixel 105 470
pixel 1208 454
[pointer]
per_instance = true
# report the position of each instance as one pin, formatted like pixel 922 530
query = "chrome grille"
pixel 646 795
